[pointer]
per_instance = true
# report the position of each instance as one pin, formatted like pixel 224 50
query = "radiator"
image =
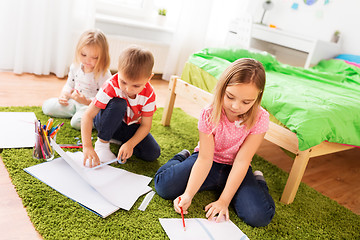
pixel 158 49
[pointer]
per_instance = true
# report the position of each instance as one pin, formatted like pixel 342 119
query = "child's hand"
pixel 63 101
pixel 79 97
pixel 91 156
pixel 184 203
pixel 219 209
pixel 125 152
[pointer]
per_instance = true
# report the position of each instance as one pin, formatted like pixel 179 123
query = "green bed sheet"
pixel 320 103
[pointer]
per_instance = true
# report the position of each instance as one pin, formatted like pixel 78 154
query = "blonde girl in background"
pixel 230 131
pixel 87 74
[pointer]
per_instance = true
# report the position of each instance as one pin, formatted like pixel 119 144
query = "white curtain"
pixel 202 23
pixel 39 36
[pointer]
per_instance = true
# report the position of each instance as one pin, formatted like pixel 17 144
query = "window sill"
pixel 131 23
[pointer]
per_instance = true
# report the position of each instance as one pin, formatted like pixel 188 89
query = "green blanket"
pixel 318 104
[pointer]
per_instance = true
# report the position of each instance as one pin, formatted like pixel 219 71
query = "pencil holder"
pixel 42 148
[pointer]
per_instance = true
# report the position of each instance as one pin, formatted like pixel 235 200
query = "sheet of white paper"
pixel 17 129
pixel 77 168
pixel 146 201
pixel 108 180
pixel 61 177
pixel 201 228
pixel 118 187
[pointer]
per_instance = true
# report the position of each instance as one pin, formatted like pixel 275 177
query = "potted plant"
pixel 162 11
pixel 336 36
pixel 161 16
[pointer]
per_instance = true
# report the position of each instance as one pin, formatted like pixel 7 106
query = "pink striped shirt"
pixel 229 136
pixel 142 105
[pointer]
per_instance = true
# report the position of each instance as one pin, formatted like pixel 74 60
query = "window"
pixel 139 12
pixel 135 4
pixel 134 9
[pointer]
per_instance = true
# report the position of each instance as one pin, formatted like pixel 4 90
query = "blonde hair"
pixel 243 70
pixel 136 62
pixel 98 39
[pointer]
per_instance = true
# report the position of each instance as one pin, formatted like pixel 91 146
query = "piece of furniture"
pixel 239 33
pixel 315 49
pixel 292 137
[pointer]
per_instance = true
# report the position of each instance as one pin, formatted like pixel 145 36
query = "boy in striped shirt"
pixel 123 110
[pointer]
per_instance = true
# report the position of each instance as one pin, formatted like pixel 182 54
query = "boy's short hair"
pixel 136 62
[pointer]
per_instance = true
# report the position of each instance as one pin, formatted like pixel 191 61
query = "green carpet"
pixel 311 216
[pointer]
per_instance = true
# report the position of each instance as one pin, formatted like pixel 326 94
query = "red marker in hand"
pixel 182 215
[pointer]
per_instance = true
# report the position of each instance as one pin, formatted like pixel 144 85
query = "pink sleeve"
pixel 262 124
pixel 204 124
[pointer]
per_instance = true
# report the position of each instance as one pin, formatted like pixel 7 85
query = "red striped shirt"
pixel 142 105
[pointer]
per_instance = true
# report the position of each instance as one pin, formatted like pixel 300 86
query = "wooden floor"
pixel 335 175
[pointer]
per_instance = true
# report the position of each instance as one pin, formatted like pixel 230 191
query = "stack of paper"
pixel 17 129
pixel 102 190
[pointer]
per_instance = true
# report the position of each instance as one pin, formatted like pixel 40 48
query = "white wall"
pixel 318 20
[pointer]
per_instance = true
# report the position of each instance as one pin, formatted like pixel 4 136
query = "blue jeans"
pixel 110 125
pixel 252 201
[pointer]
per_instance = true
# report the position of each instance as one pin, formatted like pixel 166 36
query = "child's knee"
pixel 164 189
pixel 257 217
pixel 75 123
pixel 153 154
pixel 48 106
pixel 52 107
pixel 117 104
pixel 109 117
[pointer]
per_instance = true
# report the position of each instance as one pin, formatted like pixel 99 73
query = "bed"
pixel 314 111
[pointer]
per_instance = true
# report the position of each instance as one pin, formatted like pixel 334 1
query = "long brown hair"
pixel 243 70
pixel 98 39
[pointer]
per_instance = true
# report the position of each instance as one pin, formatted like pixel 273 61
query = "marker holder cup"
pixel 43 148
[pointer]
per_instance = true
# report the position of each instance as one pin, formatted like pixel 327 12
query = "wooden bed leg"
pixel 170 101
pixel 295 176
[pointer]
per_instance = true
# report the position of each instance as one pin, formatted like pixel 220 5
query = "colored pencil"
pixel 182 215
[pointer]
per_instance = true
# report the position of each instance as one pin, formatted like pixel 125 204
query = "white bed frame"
pixel 276 134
